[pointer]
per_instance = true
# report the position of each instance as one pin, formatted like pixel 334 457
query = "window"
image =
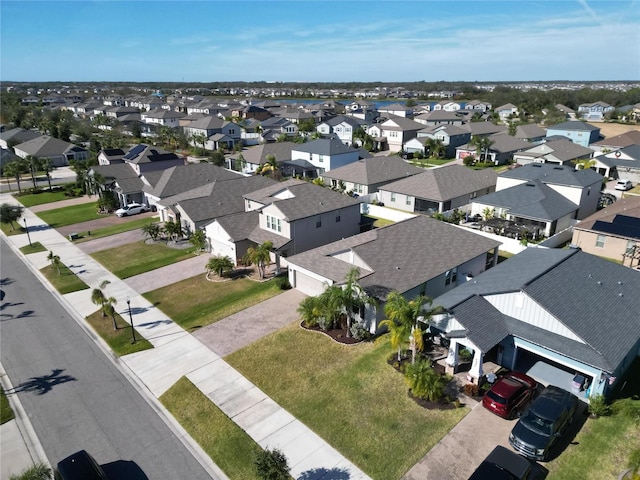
pixel 451 276
pixel 358 188
pixel 318 223
pixel 600 241
pixel 274 223
pixel 321 158
pixel 338 219
pixel 408 200
pixel 631 245
pixel 393 196
pixel 232 131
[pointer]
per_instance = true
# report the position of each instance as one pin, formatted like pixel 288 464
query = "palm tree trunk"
pixel 115 325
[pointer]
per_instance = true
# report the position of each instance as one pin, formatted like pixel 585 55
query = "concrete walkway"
pixel 177 353
pixel 161 277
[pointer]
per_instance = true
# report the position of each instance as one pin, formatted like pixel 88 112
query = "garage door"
pixel 222 249
pixel 307 284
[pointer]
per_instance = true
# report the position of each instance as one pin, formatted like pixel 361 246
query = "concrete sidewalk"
pixel 177 353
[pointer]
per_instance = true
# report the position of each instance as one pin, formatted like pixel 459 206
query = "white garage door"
pixel 308 285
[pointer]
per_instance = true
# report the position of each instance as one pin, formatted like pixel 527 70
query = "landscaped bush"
pixel 359 332
pixel 425 382
pixel 283 283
pixel 465 355
pixel 598 406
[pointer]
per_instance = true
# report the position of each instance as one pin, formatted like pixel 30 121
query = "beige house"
pixel 613 232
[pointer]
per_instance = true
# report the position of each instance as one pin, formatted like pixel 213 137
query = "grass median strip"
pixel 35 247
pixel 44 196
pixel 196 302
pixel 61 217
pixel 226 443
pixel 65 281
pixel 6 412
pixel 136 258
pixel 118 340
pixel 349 396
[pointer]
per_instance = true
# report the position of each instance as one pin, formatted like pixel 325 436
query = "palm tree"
pixel 424 381
pixel 436 147
pixel 55 261
pixel 151 230
pixel 98 298
pixel 220 265
pixel 402 321
pixel 199 240
pixel 269 167
pixel 46 165
pixel 173 229
pixel 482 144
pixel 310 309
pixel 33 163
pixel 259 256
pixel 353 296
pixel 15 169
pixel 200 138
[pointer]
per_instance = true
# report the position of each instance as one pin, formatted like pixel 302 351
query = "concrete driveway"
pixel 245 327
pixel 458 454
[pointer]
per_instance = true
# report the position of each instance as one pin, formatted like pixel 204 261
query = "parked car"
pixel 132 209
pixel 623 185
pixel 547 418
pixel 501 464
pixel 509 394
pixel 79 466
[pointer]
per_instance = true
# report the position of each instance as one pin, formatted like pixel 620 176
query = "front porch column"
pixel 277 262
pixel 475 374
pixel 452 358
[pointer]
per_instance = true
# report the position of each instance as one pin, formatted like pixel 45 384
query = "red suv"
pixel 509 394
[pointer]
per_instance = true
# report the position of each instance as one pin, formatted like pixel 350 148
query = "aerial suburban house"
pixel 294 215
pixel 438 190
pixel 367 175
pixel 551 313
pixel 594 111
pixel 16 136
pixel 507 111
pixel 608 144
pixel 274 127
pixel 324 154
pixel 392 258
pixel 143 158
pixel 395 109
pixel 440 117
pixel 215 129
pixel 531 133
pixel 502 149
pixel 254 157
pixel 477 105
pixel 449 135
pixel 569 113
pixel 559 152
pixel 613 232
pixel 578 132
pixel 484 129
pixel 342 126
pixel 250 111
pixel 620 164
pixel 56 150
pixel 122 180
pixel 393 133
pixel 162 117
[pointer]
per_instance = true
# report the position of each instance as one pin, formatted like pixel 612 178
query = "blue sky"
pixel 330 41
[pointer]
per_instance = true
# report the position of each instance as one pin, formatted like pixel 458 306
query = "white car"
pixel 132 209
pixel 623 185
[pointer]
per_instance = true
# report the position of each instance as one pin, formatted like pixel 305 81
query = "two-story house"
pixel 324 154
pixel 162 117
pixel 450 136
pixel 595 111
pixel 342 126
pixel 217 130
pixel 578 132
pixel 393 133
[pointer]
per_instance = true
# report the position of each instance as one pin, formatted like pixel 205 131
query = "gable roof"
pixel 533 200
pixel 143 153
pixel 574 126
pixel 562 149
pixel 258 155
pixel 305 200
pixel 374 170
pixel 46 146
pixel 208 122
pixel 121 173
pixel 631 137
pixel 444 183
pixel 530 130
pixel 395 260
pixel 585 293
pixel 554 174
pixel 19 135
pixel 485 128
pixel 397 123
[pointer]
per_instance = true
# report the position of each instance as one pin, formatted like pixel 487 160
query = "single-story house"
pixel 16 136
pixel 620 164
pixel 58 151
pixel 552 313
pixel 617 142
pixel 438 189
pixel 415 256
pixel 501 151
pixel 559 152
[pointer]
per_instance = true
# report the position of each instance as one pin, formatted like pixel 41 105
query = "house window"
pixel 600 241
pixel 321 158
pixel 318 223
pixel 451 276
pixel 393 196
pixel 274 223
pixel 338 219
pixel 358 188
pixel 631 245
pixel 408 200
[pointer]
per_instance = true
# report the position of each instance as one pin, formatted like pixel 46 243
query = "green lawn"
pixel 66 281
pixel 196 302
pixel 44 196
pixel 61 217
pixel 14 229
pixel 6 413
pixel 226 443
pixel 118 340
pixel 349 396
pixel 431 162
pixel 599 451
pixel 35 247
pixel 112 230
pixel 135 258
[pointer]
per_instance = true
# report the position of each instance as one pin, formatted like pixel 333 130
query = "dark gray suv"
pixel 545 420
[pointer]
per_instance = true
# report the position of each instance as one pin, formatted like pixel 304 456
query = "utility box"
pixel 73 236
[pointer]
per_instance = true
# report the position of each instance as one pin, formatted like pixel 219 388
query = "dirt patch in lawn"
pixel 608 130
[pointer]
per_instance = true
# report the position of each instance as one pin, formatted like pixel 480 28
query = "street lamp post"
pixel 27 229
pixel 133 332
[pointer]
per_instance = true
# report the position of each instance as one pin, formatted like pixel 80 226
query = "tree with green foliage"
pixel 310 310
pixel 46 165
pixel 260 256
pixel 220 265
pixel 272 465
pixel 201 139
pixel 424 381
pixel 482 144
pixel 9 214
pixel 435 147
pixel 218 159
pixel 15 169
pixel 151 230
pixel 173 229
pixel 199 240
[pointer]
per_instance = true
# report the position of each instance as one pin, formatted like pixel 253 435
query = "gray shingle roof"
pixel 485 128
pixel 445 183
pixel 396 259
pixel 182 178
pixel 126 178
pixel 19 135
pixel 554 174
pixel 143 153
pixel 324 146
pixel 533 200
pixel 307 199
pixel 374 170
pixel 574 126
pixel 258 155
pixel 45 146
pixel 562 149
pixel 622 219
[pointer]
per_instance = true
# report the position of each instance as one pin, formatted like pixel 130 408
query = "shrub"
pixel 628 407
pixel 424 381
pixel 468 160
pixel 359 332
pixel 634 463
pixel 272 465
pixel 598 406
pixel 465 355
pixel 472 389
pixel 283 283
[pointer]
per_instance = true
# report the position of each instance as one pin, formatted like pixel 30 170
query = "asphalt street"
pixel 75 396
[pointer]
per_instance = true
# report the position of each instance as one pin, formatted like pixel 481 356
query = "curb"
pixel 27 432
pixel 191 445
